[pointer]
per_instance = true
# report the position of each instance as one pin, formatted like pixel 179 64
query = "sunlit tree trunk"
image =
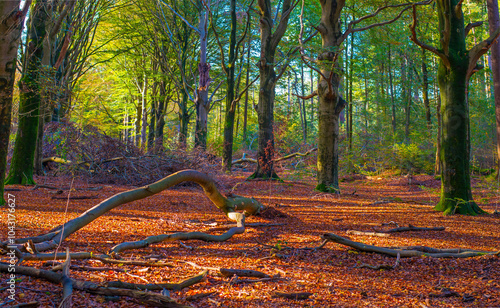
pixel 21 167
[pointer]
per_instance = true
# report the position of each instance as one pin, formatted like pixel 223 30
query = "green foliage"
pixel 410 158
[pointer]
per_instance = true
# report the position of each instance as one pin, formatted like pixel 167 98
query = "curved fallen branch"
pixel 182 236
pixel 228 205
pixel 409 252
pixel 148 298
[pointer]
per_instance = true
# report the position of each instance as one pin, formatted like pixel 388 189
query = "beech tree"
pixel 494 23
pixel 11 23
pixel 331 103
pixel 267 90
pixel 456 66
pixel 21 167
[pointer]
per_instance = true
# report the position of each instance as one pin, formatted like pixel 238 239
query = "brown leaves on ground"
pixel 295 219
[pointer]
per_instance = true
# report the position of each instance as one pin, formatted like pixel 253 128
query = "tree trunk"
pixel 160 125
pixel 227 146
pixel 268 79
pixel 437 165
pixel 11 23
pixel 393 104
pixel 302 105
pixel 494 23
pixel 138 117
pixel 21 167
pixel 265 107
pixel 202 103
pixel 183 121
pixel 144 123
pixel 330 102
pixel 153 114
pixel 247 78
pixel 425 91
pixel 456 195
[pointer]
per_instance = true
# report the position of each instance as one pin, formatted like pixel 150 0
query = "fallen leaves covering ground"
pixel 300 216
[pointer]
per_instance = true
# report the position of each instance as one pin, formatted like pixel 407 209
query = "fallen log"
pixel 408 253
pixel 147 298
pixel 413 228
pixel 228 272
pixel 295 296
pixel 245 159
pixel 366 233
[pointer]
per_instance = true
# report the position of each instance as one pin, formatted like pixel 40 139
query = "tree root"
pixel 409 252
pixel 148 298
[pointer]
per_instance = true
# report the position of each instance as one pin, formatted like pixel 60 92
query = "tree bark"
pixel 268 79
pixel 202 103
pixel 456 194
pixel 425 91
pixel 227 147
pixel 494 23
pixel 21 167
pixel 393 104
pixel 331 103
pixel 11 24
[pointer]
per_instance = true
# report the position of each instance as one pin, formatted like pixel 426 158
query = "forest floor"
pixel 299 218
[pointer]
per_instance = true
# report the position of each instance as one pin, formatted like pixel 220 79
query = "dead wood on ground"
pixel 408 252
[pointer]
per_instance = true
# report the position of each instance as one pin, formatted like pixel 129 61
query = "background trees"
pixel 139 71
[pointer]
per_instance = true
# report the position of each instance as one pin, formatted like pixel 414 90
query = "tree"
pixel 11 23
pixel 232 96
pixel 268 78
pixel 456 66
pixel 330 102
pixel 494 23
pixel 21 167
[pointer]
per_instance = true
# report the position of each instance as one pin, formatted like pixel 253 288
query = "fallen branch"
pixel 295 155
pixel 408 253
pixel 227 272
pixel 228 205
pixel 75 197
pixel 67 282
pixel 159 286
pixel 413 228
pixel 366 233
pixel 295 296
pixel 148 298
pixel 182 236
pixel 245 159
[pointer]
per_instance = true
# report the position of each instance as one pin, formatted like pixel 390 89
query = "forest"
pixel 251 153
